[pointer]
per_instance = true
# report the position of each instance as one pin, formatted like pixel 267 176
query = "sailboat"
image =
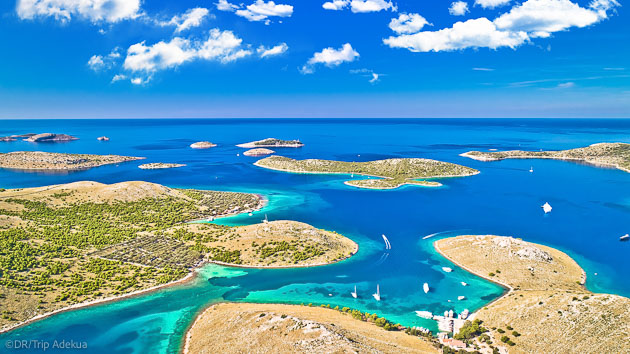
pixel 425 287
pixel 266 220
pixel 547 208
pixel 531 169
pixel 354 293
pixel 388 246
pixel 377 296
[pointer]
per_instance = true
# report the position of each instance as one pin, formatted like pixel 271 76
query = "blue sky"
pixel 316 58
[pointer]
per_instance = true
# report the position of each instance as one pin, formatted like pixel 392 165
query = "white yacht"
pixel 460 298
pixel 388 246
pixel 447 269
pixel 625 237
pixel 547 208
pixel 425 287
pixel 464 283
pixel 377 296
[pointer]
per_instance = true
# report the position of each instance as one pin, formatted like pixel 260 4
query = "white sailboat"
pixel 388 246
pixel 531 169
pixel 425 287
pixel 377 296
pixel 354 293
pixel 547 208
pixel 266 220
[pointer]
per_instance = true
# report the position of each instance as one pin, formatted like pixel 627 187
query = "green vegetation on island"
pixel 159 165
pixel 603 154
pixel 393 173
pixel 39 160
pixel 272 142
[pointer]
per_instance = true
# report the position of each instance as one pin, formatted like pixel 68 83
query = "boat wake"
pixel 442 233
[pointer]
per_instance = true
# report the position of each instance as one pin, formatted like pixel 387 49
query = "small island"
pixel 39 160
pixel 159 165
pixel 202 145
pixel 50 138
pixel 258 152
pixel 546 308
pixel 272 142
pixel 275 328
pixel 392 173
pixel 616 155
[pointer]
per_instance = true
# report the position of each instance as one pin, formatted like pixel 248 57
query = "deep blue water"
pixel 591 210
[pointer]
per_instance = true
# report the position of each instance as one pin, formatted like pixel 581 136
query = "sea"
pixel 591 210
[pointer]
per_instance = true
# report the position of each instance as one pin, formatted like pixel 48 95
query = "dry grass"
pixel 38 160
pixel 548 305
pixel 273 328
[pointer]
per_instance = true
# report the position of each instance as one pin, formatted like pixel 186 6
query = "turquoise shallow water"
pixel 591 210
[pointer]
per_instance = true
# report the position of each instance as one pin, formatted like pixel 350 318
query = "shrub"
pixel 500 330
pixel 516 334
pixel 509 328
pixel 491 274
pixel 505 339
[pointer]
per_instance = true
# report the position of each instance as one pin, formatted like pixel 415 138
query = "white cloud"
pixel 483 69
pixel 100 62
pixel 224 5
pixel 475 33
pixel 542 17
pixel 221 46
pixel 458 8
pixel 139 80
pixel 264 52
pixel 191 18
pixel 408 23
pixel 93 10
pixel 119 77
pixel 331 57
pixel 491 4
pixel 371 5
pixel 373 77
pixel 531 19
pixel 261 10
pixel 336 5
pixel 566 85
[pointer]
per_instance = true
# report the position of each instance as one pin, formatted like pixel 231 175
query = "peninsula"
pixel 43 137
pixel 202 145
pixel 393 173
pixel 615 155
pixel 274 328
pixel 272 142
pixel 258 152
pixel 85 242
pixel 159 165
pixel 38 160
pixel 546 309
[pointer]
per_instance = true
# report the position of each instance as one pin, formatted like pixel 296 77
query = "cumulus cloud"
pixel 358 6
pixel 224 5
pixel 119 77
pixel 336 5
pixel 408 23
pixel 330 57
pixel 261 11
pixel 264 52
pixel 100 62
pixel 540 18
pixel 458 8
pixel 191 18
pixel 531 19
pixel 92 10
pixel 491 4
pixel 144 60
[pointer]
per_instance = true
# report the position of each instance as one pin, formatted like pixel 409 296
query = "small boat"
pixel 266 220
pixel 425 287
pixel 102 138
pixel 625 237
pixel 238 154
pixel 464 283
pixel 354 293
pixel 464 314
pixel 424 314
pixel 547 208
pixel 388 246
pixel 250 213
pixel 460 298
pixel 531 169
pixel 447 269
pixel 329 294
pixel 377 296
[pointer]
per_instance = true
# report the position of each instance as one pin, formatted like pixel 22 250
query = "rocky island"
pixel 258 152
pixel 392 173
pixel 202 145
pixel 50 137
pixel 84 242
pixel 615 155
pixel 546 308
pixel 38 160
pixel 159 165
pixel 274 328
pixel 272 142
